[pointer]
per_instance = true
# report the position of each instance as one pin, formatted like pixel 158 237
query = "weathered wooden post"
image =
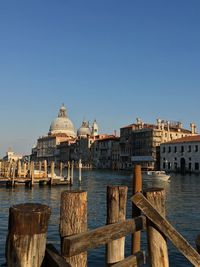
pixel 13 174
pixel 29 169
pixel 40 167
pixel 73 220
pixel 32 173
pixel 25 169
pixel 19 168
pixel 72 173
pixel 68 171
pixel 79 170
pixel 157 245
pixel 52 169
pixel 137 187
pixel 9 170
pixel 61 169
pixel 45 168
pixel 116 212
pixel 26 240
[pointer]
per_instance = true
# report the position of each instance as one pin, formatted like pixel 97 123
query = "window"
pixel 190 166
pixel 189 148
pixel 169 149
pixel 175 159
pixel 169 165
pixel 163 165
pixel 175 165
pixel 164 149
pixel 175 149
pixel 196 148
pixel 196 166
pixel 182 148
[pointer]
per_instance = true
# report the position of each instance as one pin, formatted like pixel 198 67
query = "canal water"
pixel 182 201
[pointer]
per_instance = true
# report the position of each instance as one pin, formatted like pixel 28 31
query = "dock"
pixel 28 174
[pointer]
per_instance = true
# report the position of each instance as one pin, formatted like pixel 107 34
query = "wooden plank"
pixel 197 242
pixel 167 229
pixel 135 260
pixel 53 258
pixel 76 244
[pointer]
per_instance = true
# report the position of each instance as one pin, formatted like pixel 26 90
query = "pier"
pixel 30 173
pixel 148 215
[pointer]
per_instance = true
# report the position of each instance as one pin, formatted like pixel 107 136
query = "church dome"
pixel 84 130
pixel 62 124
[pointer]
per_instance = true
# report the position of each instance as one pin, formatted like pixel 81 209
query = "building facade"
pixel 104 152
pixel 140 142
pixel 181 155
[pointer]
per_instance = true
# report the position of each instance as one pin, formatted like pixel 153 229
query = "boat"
pixel 162 175
pixel 56 177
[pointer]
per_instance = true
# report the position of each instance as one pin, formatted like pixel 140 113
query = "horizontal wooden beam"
pixel 53 258
pixel 75 244
pixel 166 228
pixel 135 260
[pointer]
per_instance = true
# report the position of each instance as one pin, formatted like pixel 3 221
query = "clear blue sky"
pixel 106 59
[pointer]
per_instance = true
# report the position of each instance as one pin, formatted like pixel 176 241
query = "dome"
pixel 84 130
pixel 62 124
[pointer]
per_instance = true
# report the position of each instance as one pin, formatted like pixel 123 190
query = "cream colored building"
pixel 181 155
pixel 11 156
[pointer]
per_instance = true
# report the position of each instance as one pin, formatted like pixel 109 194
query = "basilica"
pixel 63 143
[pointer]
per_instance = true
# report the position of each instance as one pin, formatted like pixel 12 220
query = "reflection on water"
pixel 182 200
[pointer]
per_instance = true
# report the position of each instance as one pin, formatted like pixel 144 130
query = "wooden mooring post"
pixel 61 169
pixel 137 187
pixel 26 240
pixel 72 173
pixel 73 220
pixel 68 171
pixel 45 168
pixel 116 212
pixel 157 244
pixel 32 173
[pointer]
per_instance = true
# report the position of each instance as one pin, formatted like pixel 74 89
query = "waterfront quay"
pixel 181 208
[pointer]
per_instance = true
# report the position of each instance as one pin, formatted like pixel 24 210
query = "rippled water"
pixel 182 201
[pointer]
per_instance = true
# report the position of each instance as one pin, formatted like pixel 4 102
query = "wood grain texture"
pixel 26 240
pixel 167 229
pixel 116 212
pixel 75 244
pixel 73 220
pixel 157 245
pixel 137 187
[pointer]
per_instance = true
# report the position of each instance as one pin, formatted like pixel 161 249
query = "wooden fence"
pixel 26 241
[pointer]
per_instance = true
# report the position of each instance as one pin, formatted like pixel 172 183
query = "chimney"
pixel 193 128
pixel 159 124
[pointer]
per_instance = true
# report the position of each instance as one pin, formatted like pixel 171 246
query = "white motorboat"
pixel 159 175
pixel 55 176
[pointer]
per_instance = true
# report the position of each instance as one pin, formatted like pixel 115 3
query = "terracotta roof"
pixel 128 126
pixel 186 139
pixel 112 137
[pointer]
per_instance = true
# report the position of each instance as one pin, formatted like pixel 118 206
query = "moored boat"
pixel 162 175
